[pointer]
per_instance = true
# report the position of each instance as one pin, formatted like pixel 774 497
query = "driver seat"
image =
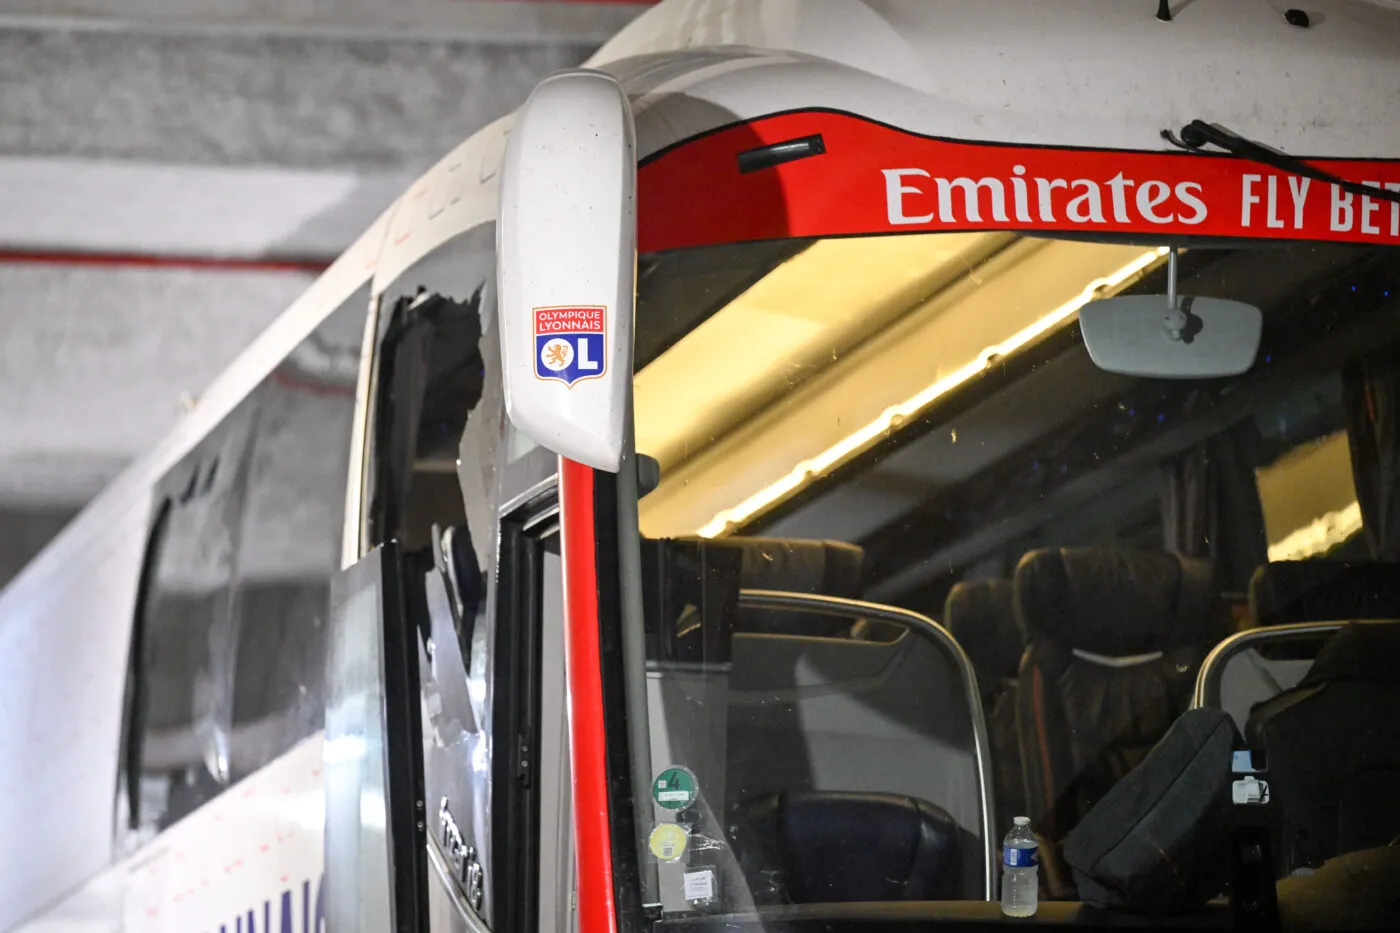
pixel 826 847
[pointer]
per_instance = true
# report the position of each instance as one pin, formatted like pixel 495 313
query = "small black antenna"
pixel 1164 11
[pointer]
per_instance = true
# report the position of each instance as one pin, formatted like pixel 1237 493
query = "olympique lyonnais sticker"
pixel 675 788
pixel 569 343
pixel 668 841
pixel 870 178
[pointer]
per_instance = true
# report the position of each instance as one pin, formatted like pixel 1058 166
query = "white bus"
pixel 725 492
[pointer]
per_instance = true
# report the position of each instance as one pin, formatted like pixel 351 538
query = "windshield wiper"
pixel 1198 134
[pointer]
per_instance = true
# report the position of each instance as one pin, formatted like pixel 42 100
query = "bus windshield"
pixel 915 566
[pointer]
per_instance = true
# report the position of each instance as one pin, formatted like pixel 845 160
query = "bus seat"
pixel 835 847
pixel 1257 665
pixel 1260 663
pixel 821 714
pixel 792 565
pixel 1114 641
pixel 982 617
pixel 1332 748
pixel 1284 592
pixel 824 568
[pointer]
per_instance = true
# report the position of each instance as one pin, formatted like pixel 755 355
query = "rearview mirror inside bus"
pixel 1141 335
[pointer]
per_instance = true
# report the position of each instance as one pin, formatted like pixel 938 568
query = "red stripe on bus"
pixel 869 178
pixel 587 738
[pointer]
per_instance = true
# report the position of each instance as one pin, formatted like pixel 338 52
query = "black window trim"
pixel 528 529
pixel 405 781
pixel 129 764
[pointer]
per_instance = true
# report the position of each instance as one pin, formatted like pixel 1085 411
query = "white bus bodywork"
pixel 1093 73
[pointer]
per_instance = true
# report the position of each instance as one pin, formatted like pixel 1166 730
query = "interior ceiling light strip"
pixel 1318 536
pixel 893 417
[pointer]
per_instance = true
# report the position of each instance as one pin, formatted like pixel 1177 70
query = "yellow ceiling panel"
pixel 787 327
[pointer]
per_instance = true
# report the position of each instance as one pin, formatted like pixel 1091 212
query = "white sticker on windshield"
pixel 700 885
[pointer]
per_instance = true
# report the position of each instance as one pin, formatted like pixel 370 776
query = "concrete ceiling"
pixel 140 138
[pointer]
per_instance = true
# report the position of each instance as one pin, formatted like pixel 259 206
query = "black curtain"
pixel 1211 510
pixel 1190 508
pixel 1371 390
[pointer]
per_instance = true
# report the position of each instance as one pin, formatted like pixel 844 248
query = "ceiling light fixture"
pixel 896 415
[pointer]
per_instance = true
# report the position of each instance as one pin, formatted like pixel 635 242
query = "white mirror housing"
pixel 566 247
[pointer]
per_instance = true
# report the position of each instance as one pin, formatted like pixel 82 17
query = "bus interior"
pixel 1087 538
pixel 855 448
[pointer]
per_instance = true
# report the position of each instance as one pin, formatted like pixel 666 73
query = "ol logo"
pixel 569 343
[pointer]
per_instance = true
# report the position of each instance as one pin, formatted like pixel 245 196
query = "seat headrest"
pixel 981 616
pixel 1116 602
pixel 839 847
pixel 1359 651
pixel 1284 592
pixel 825 568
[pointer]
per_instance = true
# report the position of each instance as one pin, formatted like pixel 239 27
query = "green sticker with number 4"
pixel 674 788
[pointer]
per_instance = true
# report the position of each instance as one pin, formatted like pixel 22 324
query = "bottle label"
pixel 1014 857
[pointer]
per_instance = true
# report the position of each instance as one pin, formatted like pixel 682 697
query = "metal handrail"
pixel 839 606
pixel 1208 678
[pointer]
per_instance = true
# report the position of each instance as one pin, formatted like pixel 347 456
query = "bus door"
pixel 460 586
pixel 408 762
pixel 374 776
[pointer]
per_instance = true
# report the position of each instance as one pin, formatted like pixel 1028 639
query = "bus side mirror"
pixel 566 266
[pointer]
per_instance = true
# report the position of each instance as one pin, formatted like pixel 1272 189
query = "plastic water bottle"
pixel 1020 881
